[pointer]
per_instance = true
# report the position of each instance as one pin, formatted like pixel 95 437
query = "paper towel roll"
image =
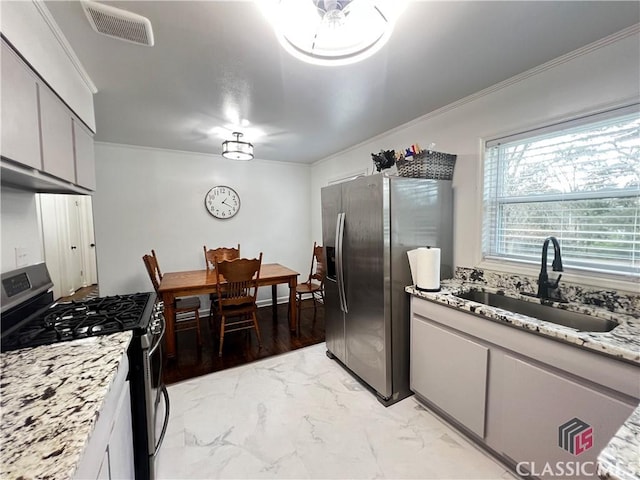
pixel 428 260
pixel 413 264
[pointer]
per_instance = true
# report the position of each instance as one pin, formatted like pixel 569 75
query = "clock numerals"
pixel 222 202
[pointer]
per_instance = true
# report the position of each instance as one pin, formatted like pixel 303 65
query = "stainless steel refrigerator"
pixel 368 225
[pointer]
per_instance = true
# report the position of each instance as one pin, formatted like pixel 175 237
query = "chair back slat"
pixel 237 281
pixel 221 253
pixel 318 258
pixel 153 269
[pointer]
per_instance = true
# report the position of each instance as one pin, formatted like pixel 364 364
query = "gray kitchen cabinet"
pixel 533 386
pixel 56 133
pixel 44 147
pixel 19 97
pixel 535 403
pixel 450 371
pixel 108 453
pixel 121 441
pixel 84 156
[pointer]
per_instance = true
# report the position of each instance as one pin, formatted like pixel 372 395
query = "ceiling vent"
pixel 120 24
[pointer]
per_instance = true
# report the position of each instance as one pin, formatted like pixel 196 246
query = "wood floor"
pixel 242 347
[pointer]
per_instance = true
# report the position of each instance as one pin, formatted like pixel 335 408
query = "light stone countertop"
pixel 620 459
pixel 50 400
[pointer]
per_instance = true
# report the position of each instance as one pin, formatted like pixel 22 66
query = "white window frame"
pixel 525 265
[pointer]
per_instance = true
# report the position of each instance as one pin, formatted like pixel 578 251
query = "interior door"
pixel 67 222
pixel 365 252
pixel 73 259
pixel 87 241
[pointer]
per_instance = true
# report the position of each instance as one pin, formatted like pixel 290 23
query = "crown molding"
pixel 598 44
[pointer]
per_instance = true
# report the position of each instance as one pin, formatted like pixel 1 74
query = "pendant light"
pixel 237 149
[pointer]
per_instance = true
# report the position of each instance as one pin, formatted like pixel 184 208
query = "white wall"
pixel 154 199
pixel 594 78
pixel 19 228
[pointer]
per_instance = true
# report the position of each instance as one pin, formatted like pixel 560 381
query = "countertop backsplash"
pixel 613 300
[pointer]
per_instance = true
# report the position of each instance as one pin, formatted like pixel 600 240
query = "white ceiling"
pixel 215 57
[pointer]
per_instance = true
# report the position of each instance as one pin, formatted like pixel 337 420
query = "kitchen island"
pixel 53 401
pixel 619 459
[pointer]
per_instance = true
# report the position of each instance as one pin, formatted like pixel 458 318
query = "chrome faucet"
pixel 544 286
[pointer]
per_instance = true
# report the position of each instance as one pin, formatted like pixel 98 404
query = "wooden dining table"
pixel 200 282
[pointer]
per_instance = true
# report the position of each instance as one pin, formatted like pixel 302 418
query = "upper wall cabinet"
pixel 84 156
pixel 45 147
pixel 19 94
pixel 56 133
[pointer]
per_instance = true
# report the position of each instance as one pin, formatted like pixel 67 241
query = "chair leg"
pixel 221 334
pixel 198 335
pixel 255 324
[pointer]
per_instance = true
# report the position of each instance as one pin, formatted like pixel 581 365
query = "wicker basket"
pixel 428 164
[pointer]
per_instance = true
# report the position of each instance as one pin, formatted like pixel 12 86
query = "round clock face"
pixel 222 201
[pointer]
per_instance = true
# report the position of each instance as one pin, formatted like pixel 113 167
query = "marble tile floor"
pixel 301 415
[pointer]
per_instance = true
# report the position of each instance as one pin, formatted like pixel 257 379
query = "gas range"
pixel 80 319
pixel 30 318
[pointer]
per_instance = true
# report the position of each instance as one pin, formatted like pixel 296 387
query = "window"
pixel 578 181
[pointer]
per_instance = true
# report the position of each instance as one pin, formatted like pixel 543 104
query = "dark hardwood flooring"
pixel 83 293
pixel 242 347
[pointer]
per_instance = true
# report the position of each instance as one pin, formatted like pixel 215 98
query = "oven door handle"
pixel 165 423
pixel 156 345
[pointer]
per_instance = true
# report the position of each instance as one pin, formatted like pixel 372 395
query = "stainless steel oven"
pixel 150 410
pixel 156 395
pixel 31 318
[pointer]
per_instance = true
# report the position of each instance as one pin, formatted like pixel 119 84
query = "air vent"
pixel 117 23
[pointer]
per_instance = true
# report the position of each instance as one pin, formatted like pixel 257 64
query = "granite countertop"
pixel 623 342
pixel 51 397
pixel 620 459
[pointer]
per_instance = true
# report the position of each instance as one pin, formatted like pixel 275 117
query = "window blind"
pixel 578 181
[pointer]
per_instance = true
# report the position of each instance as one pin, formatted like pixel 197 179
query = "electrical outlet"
pixel 22 257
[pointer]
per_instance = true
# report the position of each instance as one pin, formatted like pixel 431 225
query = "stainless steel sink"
pixel 579 321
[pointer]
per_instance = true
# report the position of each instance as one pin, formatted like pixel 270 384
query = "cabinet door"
pixel 104 473
pixel 536 403
pixel 84 157
pixel 450 371
pixel 57 137
pixel 19 96
pixel 121 441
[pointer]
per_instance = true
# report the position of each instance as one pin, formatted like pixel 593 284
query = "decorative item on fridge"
pixel 417 163
pixel 383 160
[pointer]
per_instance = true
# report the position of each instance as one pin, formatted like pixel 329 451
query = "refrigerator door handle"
pixel 340 262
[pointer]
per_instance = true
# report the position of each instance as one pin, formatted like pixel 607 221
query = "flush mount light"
pixel 333 32
pixel 237 149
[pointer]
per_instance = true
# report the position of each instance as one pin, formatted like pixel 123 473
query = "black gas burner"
pixel 80 319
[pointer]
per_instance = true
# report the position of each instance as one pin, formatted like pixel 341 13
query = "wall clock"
pixel 222 201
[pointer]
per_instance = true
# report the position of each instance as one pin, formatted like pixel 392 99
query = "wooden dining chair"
pixel 184 306
pixel 210 255
pixel 237 288
pixel 314 286
pixel 222 253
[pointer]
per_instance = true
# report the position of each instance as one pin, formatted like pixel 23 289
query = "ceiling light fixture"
pixel 237 149
pixel 333 32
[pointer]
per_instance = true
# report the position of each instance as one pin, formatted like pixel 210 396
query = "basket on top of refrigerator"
pixel 427 164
